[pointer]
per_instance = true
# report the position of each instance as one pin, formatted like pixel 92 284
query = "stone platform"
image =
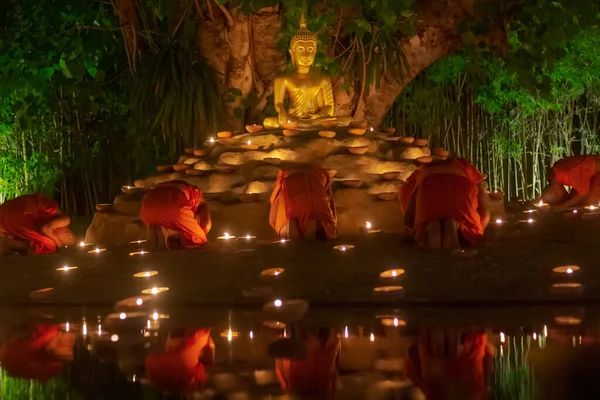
pixel 237 174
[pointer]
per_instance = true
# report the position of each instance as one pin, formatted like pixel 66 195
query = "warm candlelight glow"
pixel 277 303
pixel 272 272
pixel 372 337
pixel 388 288
pixel 499 221
pixel 251 335
pixel 392 273
pixel 534 336
pixel 274 324
pixel 346 332
pixel 139 302
pixel 137 241
pixel 139 253
pixel 122 315
pixel 84 329
pixel 526 221
pixel 99 329
pixel 226 236
pixel 66 268
pixel 567 320
pixel 212 140
pixel 229 335
pixel 67 326
pixel 502 338
pixel 368 225
pixel 343 247
pixel 529 211
pixel 249 142
pixel 155 316
pixel 574 211
pixel 81 244
pixel 96 251
pixel 395 321
pixel 115 338
pixel 371 129
pixel 145 274
pixel 155 290
pixel 591 207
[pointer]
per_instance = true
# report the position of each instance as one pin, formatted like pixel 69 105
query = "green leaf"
pixel 221 2
pixel 65 69
pixel 46 73
pixel 106 22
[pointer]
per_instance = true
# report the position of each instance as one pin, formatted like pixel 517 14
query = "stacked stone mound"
pixel 237 173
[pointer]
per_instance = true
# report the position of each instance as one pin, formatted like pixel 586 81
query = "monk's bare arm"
pixel 574 201
pixel 203 217
pixel 483 206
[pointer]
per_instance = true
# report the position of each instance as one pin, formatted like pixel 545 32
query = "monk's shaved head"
pixel 554 193
pixel 65 236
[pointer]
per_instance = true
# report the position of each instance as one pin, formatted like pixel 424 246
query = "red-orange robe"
pixel 444 190
pixel 450 377
pixel 173 205
pixel 300 193
pixel 577 172
pixel 314 376
pixel 22 218
pixel 29 358
pixel 179 368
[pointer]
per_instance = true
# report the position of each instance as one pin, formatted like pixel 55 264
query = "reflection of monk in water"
pixel 181 367
pixel 445 203
pixel 314 376
pixel 33 224
pixel 176 216
pixel 37 354
pixel 451 365
pixel 302 203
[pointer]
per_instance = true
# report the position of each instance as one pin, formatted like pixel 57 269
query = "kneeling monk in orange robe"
pixel 582 173
pixel 176 216
pixel 302 203
pixel 38 354
pixel 33 224
pixel 181 368
pixel 445 201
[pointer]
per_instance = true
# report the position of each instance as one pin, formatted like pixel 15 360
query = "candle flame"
pixel 395 321
pixel 569 270
pixel 368 224
pixel 229 335
pixel 67 326
pixel 122 315
pixel 155 315
pixel 502 338
pixel 84 328
pixel 394 273
pixel 249 142
pixel 212 140
pixel 81 244
pixel 139 302
pixel 226 235
pixel 154 290
pixel 277 303
pixel 372 338
pixel 534 336
pixel 499 221
pixel 251 335
pixel 99 329
pixel 346 332
pixel 530 220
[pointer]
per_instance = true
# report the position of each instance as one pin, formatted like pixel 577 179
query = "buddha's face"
pixel 303 53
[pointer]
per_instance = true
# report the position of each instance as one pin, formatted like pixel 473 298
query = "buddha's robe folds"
pixel 452 376
pixel 302 193
pixel 22 219
pixel 579 172
pixel 39 356
pixel 444 190
pixel 180 367
pixel 173 205
pixel 315 376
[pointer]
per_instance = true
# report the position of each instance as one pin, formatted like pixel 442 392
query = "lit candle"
pixel 395 321
pixel 372 337
pixel 591 207
pixel 371 129
pixel 139 302
pixel 343 247
pixel 251 335
pixel 155 315
pixel 226 236
pixel 122 315
pixel 100 329
pixel 534 336
pixel 566 270
pixel 115 338
pixel 84 328
pixel 277 303
pixel 67 326
pixel 368 225
pixel 139 253
pixel 499 221
pixel 212 140
pixel 66 268
pixel 229 335
pixel 502 338
pixel 249 142
pixel 96 251
pixel 81 244
pixel 346 332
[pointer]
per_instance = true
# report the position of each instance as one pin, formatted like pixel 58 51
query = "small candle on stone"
pixel 226 236
pixel 212 140
pixel 277 303
pixel 499 221
pixel 249 142
pixel 372 337
pixel 368 225
pixel 81 244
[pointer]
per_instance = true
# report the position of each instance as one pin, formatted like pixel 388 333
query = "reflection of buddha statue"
pixel 310 93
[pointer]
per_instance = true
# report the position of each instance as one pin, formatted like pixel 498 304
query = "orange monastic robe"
pixel 577 172
pixel 40 356
pixel 460 376
pixel 22 218
pixel 173 205
pixel 315 376
pixel 180 368
pixel 300 193
pixel 444 190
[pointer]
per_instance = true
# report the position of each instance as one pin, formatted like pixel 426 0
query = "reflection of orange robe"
pixel 28 358
pixel 179 368
pixel 22 218
pixel 450 377
pixel 173 205
pixel 444 190
pixel 301 193
pixel 314 376
pixel 577 172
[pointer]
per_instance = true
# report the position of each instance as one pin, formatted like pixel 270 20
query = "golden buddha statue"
pixel 310 93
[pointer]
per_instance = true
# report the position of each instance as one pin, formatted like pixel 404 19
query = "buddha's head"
pixel 303 46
